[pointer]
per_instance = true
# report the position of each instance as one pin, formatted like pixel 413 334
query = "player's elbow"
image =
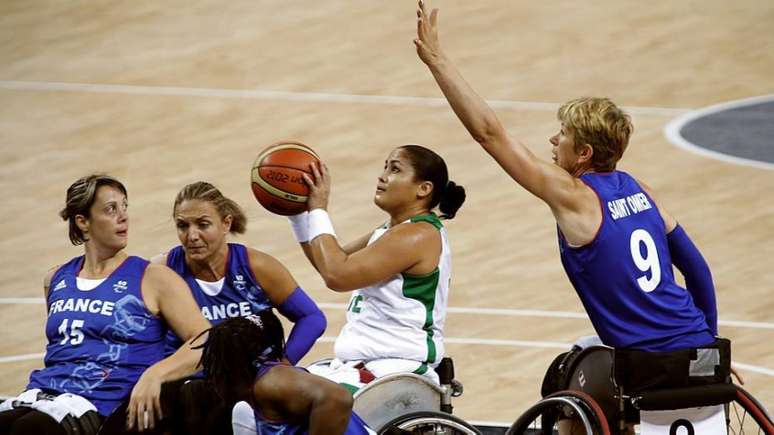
pixel 319 323
pixel 490 134
pixel 338 282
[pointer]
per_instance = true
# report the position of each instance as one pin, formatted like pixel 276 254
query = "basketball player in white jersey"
pixel 398 275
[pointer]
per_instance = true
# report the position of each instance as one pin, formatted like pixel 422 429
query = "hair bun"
pixel 452 199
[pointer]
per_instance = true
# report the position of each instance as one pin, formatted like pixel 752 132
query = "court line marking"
pixel 447 340
pixel 259 94
pixel 470 310
pixel 672 131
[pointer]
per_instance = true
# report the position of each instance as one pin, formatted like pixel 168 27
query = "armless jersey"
pixel 402 316
pixel 624 276
pixel 99 341
pixel 264 426
pixel 240 295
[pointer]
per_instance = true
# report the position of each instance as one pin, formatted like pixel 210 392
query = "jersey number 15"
pixel 75 336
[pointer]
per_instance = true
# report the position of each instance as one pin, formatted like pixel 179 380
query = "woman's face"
pixel 108 223
pixel 564 152
pixel 396 186
pixel 201 229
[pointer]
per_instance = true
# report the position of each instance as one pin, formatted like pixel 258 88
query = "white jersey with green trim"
pixel 402 316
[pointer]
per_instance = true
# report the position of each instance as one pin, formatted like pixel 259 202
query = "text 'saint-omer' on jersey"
pixel 624 276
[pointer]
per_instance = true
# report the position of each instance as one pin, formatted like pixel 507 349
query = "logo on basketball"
pixel 277 177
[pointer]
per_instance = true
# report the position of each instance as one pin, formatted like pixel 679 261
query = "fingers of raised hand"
pixel 434 18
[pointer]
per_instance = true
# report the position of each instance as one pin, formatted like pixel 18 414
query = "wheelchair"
pixel 406 403
pixel 625 393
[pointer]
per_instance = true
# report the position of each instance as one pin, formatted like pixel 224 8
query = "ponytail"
pixel 452 198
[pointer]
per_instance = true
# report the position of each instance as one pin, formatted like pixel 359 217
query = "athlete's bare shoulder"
pixel 160 258
pixel 669 221
pixel 48 277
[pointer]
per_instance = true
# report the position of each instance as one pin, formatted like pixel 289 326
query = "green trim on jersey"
pixel 349 387
pixel 429 218
pixel 421 370
pixel 422 288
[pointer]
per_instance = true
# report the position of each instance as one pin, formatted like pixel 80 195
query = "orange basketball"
pixel 277 180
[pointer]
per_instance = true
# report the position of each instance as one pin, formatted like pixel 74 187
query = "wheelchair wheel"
pixel 745 415
pixel 428 423
pixel 571 409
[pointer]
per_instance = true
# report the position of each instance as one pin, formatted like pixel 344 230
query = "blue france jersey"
pixel 264 426
pixel 624 276
pixel 101 340
pixel 241 294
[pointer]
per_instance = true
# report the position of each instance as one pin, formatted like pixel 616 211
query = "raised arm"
pixel 291 301
pixel 167 295
pixel 548 182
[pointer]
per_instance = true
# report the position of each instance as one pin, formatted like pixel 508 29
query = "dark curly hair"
pixel 237 347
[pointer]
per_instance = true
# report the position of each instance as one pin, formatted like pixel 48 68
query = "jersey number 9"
pixel 645 262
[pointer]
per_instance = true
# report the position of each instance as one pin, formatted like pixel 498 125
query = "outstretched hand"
pixel 319 186
pixel 426 42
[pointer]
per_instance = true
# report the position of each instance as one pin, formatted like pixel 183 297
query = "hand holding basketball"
pixel 277 177
pixel 319 186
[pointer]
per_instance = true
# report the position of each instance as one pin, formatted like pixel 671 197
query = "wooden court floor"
pixel 160 94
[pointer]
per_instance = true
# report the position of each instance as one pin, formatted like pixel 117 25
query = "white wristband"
pixel 319 223
pixel 300 225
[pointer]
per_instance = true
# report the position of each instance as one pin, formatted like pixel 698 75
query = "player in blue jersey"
pixel 107 318
pixel 617 243
pixel 243 358
pixel 229 280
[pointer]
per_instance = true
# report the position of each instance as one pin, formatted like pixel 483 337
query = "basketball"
pixel 276 177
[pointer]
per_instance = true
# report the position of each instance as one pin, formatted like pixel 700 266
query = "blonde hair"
pixel 203 191
pixel 601 124
pixel 79 199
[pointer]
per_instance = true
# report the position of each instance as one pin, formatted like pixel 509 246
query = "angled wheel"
pixel 575 409
pixel 745 415
pixel 428 423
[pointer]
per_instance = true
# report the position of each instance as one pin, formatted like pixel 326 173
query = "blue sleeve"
pixel 698 278
pixel 309 323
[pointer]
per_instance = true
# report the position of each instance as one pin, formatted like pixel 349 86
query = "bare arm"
pixel 412 248
pixel 166 294
pixel 300 396
pixel 548 182
pixel 349 248
pixel 47 283
pixel 275 279
pixel 357 244
pixel 159 259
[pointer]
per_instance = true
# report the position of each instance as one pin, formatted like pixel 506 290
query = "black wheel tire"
pixel 415 422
